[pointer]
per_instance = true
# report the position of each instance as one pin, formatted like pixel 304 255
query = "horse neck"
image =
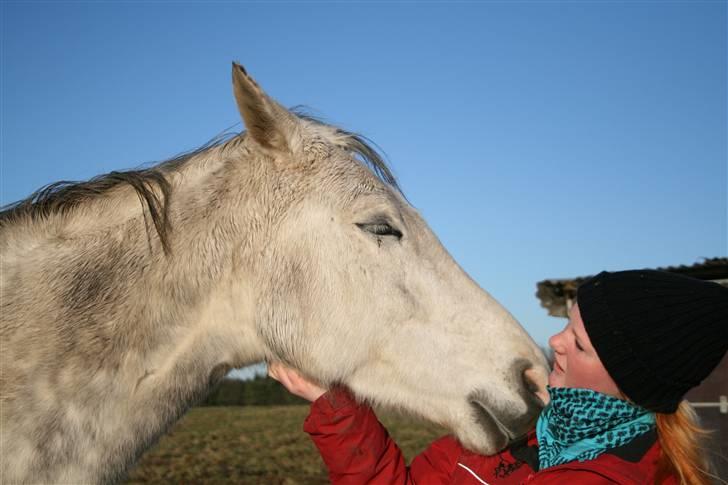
pixel 208 303
pixel 151 331
pixel 200 297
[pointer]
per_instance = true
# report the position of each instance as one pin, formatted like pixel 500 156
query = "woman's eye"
pixel 381 229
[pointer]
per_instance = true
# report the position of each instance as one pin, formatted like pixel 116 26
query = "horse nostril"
pixel 536 383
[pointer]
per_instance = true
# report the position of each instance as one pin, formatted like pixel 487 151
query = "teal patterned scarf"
pixel 581 424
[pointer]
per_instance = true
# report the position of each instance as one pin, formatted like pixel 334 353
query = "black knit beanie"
pixel 658 334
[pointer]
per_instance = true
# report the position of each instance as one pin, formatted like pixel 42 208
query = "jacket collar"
pixel 526 449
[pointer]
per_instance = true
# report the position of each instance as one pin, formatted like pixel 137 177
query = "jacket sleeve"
pixel 357 449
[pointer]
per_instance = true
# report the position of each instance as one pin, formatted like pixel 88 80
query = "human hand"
pixel 294 382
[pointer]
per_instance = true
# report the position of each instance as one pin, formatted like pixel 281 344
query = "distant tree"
pixel 259 391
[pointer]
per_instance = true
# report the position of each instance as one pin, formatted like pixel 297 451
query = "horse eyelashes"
pixel 381 229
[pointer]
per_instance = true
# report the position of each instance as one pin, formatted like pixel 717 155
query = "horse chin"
pixel 494 436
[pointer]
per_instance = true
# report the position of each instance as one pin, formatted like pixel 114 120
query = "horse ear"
pixel 266 121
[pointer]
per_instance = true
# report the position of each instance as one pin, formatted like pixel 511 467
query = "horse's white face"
pixel 356 289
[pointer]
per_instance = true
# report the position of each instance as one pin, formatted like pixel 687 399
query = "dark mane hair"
pixel 153 188
pixel 150 184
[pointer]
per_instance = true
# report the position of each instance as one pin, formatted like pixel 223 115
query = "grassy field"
pixel 253 445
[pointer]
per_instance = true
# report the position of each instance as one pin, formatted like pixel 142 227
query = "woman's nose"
pixel 555 342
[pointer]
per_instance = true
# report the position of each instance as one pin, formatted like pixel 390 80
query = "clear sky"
pixel 539 139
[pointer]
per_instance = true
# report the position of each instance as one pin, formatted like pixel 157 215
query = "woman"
pixel 636 342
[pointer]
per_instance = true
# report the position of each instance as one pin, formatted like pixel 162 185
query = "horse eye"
pixel 381 229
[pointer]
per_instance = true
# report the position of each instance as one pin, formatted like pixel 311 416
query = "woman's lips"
pixel 557 367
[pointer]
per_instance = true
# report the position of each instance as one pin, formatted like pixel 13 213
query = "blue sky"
pixel 539 139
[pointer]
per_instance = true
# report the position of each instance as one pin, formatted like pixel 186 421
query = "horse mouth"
pixel 490 425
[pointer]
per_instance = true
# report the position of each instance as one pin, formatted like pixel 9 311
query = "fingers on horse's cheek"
pixel 289 384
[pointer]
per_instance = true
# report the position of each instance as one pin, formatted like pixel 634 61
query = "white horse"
pixel 289 242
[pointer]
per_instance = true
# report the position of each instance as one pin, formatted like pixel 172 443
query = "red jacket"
pixel 358 450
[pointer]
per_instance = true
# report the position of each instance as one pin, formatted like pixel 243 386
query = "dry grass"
pixel 253 445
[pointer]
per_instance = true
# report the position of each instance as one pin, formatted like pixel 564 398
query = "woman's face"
pixel 576 363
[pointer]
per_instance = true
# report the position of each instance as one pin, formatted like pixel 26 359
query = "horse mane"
pixel 153 188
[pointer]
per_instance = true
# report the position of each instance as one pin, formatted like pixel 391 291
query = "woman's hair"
pixel 684 452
